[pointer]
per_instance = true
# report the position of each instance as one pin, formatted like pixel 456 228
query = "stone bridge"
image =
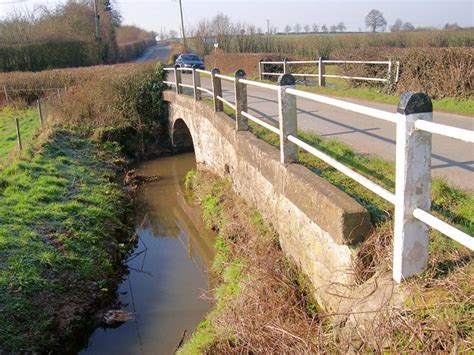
pixel 319 226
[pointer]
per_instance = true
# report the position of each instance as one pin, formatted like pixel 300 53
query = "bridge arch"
pixel 181 135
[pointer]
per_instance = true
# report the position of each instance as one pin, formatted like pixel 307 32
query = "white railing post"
pixel 389 70
pixel 178 80
pixel 287 118
pixel 413 185
pixel 286 67
pixel 397 74
pixel 242 123
pixel 216 90
pixel 260 69
pixel 322 72
pixel 196 85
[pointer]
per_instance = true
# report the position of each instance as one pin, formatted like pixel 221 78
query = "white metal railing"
pixel 225 77
pixel 231 105
pixel 414 128
pixel 321 69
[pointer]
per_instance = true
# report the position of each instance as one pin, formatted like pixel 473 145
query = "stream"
pixel 168 271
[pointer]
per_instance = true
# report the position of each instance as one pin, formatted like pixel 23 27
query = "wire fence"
pixel 19 128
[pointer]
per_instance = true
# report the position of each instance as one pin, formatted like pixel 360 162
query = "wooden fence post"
pixel 413 186
pixel 7 99
pixel 196 85
pixel 40 112
pixel 287 118
pixel 242 123
pixel 217 90
pixel 322 72
pixel 18 134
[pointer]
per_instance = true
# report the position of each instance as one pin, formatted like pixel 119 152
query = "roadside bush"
pixel 440 72
pixel 106 100
pixel 123 103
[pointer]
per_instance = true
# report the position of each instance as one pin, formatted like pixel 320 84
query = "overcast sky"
pixel 164 14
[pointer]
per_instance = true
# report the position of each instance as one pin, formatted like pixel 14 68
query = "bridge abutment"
pixel 319 225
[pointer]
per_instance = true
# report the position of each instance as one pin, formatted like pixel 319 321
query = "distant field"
pixel 29 122
pixel 324 44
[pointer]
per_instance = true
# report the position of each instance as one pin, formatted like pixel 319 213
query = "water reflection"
pixel 168 271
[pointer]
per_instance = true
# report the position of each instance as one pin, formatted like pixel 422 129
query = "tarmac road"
pixel 158 52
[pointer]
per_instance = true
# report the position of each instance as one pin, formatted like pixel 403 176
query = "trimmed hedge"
pixel 47 55
pixel 440 72
pixel 132 50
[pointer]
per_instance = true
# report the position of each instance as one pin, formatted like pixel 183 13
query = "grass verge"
pixel 60 218
pixel 29 122
pixel 263 303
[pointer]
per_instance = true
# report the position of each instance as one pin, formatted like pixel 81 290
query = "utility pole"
pixel 182 25
pixel 268 26
pixel 97 19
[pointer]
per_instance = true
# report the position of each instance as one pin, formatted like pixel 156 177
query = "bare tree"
pixel 341 27
pixel 307 28
pixel 375 20
pixel 315 28
pixel 172 34
pixel 251 29
pixel 287 29
pixel 324 28
pixel 408 26
pixel 333 28
pixel 453 26
pixel 397 25
pixel 297 28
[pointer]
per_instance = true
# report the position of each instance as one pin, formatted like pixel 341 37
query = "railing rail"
pixel 321 68
pixel 414 128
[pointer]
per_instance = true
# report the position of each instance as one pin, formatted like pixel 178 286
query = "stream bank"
pixel 262 302
pixel 167 280
pixel 63 235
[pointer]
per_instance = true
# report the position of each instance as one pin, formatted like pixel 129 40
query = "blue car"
pixel 189 61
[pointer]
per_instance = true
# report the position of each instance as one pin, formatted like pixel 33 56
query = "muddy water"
pixel 168 270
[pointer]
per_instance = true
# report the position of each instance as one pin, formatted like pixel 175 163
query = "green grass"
pixel 29 123
pixel 59 218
